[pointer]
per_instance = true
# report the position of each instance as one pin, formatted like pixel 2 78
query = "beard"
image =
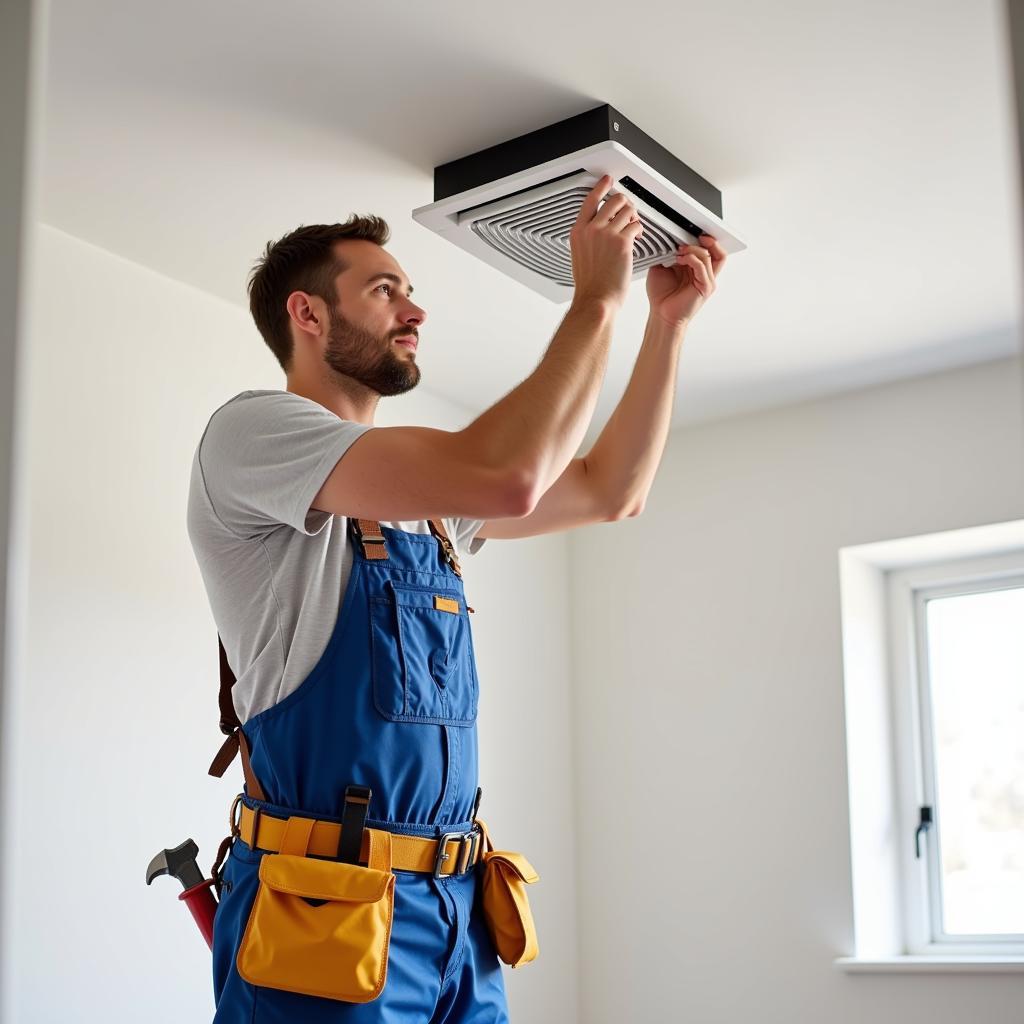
pixel 369 358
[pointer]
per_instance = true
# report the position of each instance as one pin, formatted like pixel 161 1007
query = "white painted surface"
pixel 22 78
pixel 709 704
pixel 865 151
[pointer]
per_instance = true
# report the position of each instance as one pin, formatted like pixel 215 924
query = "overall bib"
pixel 392 705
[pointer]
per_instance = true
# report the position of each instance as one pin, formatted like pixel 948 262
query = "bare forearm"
pixel 626 455
pixel 536 429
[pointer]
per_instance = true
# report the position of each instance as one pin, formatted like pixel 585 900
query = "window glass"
pixel 975 648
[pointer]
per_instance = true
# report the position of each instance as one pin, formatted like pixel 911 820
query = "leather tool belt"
pixel 453 853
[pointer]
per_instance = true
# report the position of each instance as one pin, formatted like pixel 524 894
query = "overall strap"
pixel 232 728
pixel 369 534
pixel 438 530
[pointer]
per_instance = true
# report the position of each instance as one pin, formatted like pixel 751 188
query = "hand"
pixel 676 293
pixel 601 243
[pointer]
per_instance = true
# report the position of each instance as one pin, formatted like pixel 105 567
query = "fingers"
pixel 718 254
pixel 612 205
pixel 626 214
pixel 699 262
pixel 701 255
pixel 703 280
pixel 709 260
pixel 594 197
pixel 610 214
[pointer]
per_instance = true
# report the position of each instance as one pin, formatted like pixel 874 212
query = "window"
pixel 933 638
pixel 958 633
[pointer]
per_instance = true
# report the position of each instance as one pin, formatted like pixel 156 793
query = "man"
pixel 329 550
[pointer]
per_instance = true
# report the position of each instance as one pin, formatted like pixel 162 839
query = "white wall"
pixel 708 704
pixel 705 703
pixel 22 59
pixel 115 717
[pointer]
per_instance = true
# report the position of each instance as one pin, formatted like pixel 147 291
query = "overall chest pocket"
pixel 424 669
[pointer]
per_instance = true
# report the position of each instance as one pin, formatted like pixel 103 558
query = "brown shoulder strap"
pixel 232 728
pixel 438 530
pixel 369 534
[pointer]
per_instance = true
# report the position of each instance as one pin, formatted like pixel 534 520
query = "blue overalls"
pixel 392 705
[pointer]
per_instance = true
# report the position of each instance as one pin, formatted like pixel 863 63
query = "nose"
pixel 414 316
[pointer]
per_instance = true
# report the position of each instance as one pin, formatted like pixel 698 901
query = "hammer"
pixel 198 896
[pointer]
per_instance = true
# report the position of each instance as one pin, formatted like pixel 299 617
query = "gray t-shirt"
pixel 275 571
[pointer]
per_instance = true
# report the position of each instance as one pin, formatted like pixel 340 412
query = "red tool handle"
pixel 203 904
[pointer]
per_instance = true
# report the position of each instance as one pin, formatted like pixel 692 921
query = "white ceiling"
pixel 865 151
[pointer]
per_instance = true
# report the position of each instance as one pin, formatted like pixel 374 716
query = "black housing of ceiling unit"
pixel 602 124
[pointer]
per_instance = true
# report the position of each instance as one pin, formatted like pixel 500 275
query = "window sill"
pixel 953 964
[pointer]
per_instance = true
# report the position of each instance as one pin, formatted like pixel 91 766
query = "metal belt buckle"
pixel 235 817
pixel 473 835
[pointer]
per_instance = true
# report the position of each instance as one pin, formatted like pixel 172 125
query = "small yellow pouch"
pixel 320 927
pixel 506 904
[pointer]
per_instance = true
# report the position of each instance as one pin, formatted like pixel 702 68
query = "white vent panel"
pixel 520 223
pixel 533 228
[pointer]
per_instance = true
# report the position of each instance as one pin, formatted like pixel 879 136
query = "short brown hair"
pixel 303 260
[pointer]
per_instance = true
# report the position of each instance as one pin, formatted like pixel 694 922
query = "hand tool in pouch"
pixel 198 895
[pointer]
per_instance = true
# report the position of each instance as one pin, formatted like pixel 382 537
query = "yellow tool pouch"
pixel 506 904
pixel 320 927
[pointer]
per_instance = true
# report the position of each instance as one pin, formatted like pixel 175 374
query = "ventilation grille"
pixel 532 228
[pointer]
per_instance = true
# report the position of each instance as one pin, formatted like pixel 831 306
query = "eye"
pixel 385 285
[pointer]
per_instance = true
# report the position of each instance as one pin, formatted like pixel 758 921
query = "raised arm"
pixel 503 462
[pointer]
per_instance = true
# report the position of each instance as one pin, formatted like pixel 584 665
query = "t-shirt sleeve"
pixel 265 457
pixel 463 533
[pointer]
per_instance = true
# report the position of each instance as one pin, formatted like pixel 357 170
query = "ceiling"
pixel 866 152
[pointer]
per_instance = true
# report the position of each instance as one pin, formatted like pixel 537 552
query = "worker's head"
pixel 331 295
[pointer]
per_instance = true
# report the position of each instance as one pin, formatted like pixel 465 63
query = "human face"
pixel 363 344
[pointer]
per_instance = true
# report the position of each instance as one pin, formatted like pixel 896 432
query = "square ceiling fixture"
pixel 513 204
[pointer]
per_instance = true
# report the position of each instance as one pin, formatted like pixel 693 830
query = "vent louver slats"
pixel 533 228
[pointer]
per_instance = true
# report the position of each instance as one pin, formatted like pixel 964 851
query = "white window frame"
pixel 881 585
pixel 908 590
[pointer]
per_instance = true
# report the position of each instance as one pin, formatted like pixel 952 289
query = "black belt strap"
pixel 353 818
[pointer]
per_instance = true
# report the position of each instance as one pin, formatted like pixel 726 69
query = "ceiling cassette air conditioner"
pixel 513 204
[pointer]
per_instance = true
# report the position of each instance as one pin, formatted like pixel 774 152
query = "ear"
pixel 305 312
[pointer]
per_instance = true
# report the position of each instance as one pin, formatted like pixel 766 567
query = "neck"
pixel 344 396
